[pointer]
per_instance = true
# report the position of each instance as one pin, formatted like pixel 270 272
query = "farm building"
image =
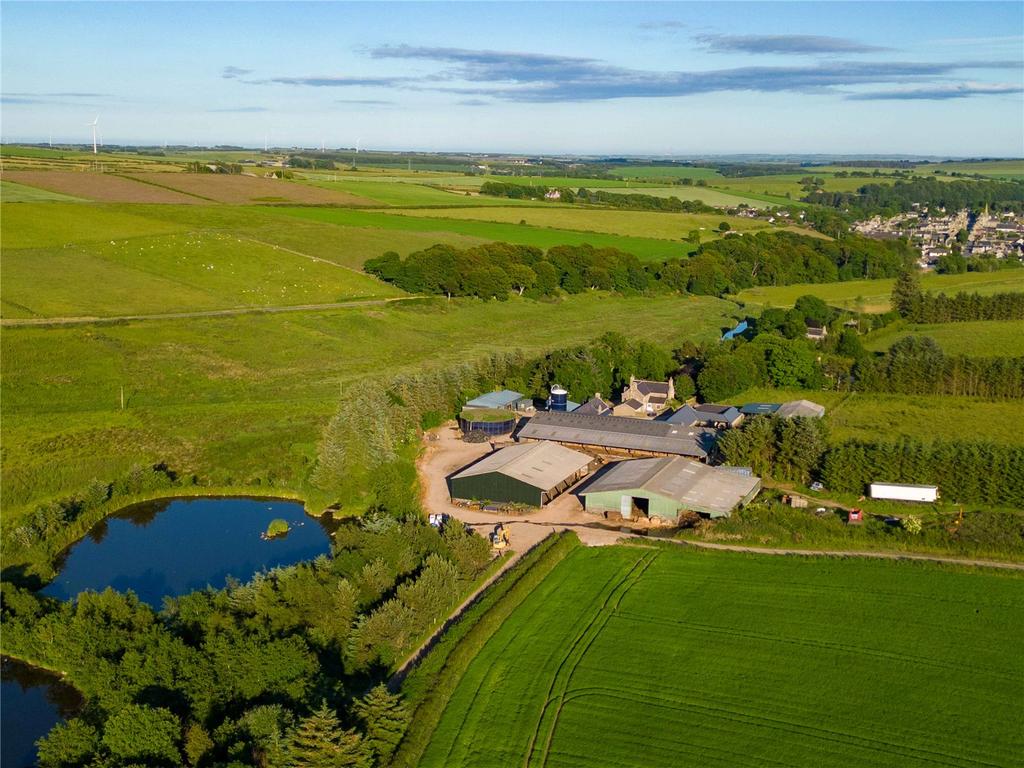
pixel 616 434
pixel 667 486
pixel 706 415
pixel 759 409
pixel 804 408
pixel 595 406
pixel 533 474
pixel 506 398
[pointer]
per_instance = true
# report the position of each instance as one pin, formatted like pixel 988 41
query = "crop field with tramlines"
pixel 656 656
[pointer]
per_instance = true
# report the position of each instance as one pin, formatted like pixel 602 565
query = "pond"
pixel 33 701
pixel 178 546
pixel 157 549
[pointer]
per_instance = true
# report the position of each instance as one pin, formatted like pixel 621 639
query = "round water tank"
pixel 559 398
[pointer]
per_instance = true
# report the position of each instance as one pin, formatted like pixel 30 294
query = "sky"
pixel 919 78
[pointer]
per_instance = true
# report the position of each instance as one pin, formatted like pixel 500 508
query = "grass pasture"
pixel 172 273
pixel 982 338
pixel 880 416
pixel 663 656
pixel 707 195
pixel 242 398
pixel 643 224
pixel 12 192
pixel 873 295
pixel 441 229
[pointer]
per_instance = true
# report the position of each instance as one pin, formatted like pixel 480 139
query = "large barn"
pixel 619 434
pixel 665 487
pixel 531 473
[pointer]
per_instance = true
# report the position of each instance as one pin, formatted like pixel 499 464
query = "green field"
pixel 242 399
pixel 877 416
pixel 982 338
pixel 645 248
pixel 873 295
pixel 706 195
pixel 649 224
pixel 408 193
pixel 1009 169
pixel 635 656
pixel 661 172
pixel 11 192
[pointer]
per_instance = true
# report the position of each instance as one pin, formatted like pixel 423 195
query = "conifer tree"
pixel 319 741
pixel 384 718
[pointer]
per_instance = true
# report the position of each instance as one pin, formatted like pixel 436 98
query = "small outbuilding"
pixel 802 408
pixel 667 486
pixel 532 473
pixel 759 409
pixel 504 398
pixel 706 415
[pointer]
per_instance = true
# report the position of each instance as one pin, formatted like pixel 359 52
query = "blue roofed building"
pixel 759 409
pixel 506 398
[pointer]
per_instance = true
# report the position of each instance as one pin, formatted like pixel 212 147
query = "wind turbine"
pixel 94 123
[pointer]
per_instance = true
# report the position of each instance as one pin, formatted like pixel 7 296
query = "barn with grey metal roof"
pixel 530 473
pixel 664 487
pixel 619 434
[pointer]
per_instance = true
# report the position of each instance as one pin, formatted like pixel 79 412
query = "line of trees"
pixel 916 365
pixel 901 196
pixel 797 450
pixel 631 201
pixel 978 472
pixel 918 306
pixel 495 270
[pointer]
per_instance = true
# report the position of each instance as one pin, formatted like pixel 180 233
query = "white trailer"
pixel 903 492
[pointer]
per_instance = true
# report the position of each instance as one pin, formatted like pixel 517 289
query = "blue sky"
pixel 661 78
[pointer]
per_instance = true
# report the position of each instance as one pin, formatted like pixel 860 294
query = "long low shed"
pixel 533 473
pixel 604 434
pixel 665 487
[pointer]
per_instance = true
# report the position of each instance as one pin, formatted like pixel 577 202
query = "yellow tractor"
pixel 500 537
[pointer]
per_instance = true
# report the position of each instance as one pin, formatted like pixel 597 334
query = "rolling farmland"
pixel 874 415
pixel 636 656
pixel 981 338
pixel 873 295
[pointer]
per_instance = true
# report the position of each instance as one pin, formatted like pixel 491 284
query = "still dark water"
pixel 156 549
pixel 178 546
pixel 33 701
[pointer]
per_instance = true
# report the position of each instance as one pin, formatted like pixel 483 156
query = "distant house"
pixel 553 194
pixel 804 408
pixel 664 487
pixel 595 406
pixel 645 398
pixel 706 415
pixel 815 332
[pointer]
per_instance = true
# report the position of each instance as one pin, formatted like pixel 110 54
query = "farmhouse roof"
pixel 692 484
pixel 502 399
pixel 645 387
pixel 595 406
pixel 542 465
pixel 618 432
pixel 804 408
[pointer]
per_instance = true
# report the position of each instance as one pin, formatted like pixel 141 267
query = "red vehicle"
pixel 855 516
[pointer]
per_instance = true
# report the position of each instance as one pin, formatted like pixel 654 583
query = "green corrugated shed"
pixel 494 486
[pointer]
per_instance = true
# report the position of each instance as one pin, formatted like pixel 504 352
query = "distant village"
pixel 937 233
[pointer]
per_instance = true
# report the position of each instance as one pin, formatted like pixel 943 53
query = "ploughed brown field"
pixel 100 187
pixel 245 190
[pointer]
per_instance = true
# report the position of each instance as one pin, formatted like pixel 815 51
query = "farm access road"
pixel 273 309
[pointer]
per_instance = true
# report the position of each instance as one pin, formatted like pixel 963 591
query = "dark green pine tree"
pixel 384 718
pixel 906 294
pixel 319 741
